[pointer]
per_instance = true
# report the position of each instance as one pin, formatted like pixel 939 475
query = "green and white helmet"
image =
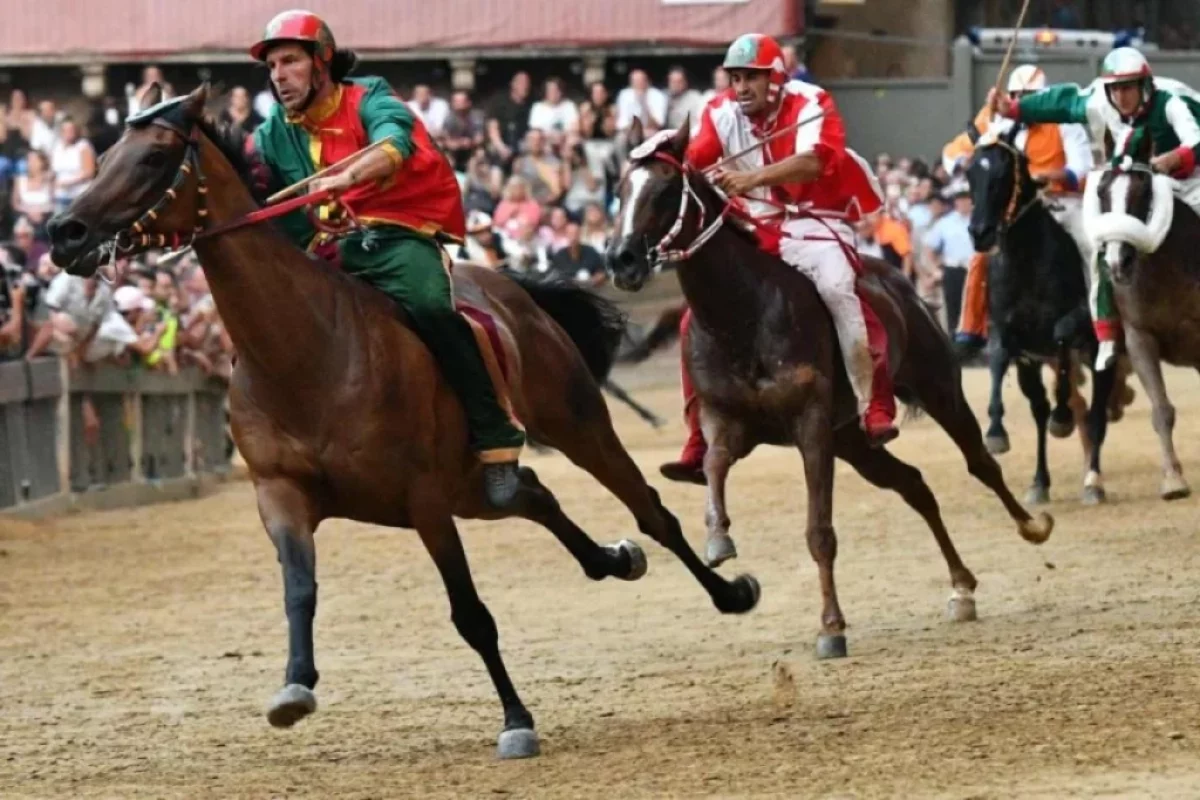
pixel 1127 65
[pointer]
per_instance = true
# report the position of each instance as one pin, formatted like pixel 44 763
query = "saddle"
pixel 484 326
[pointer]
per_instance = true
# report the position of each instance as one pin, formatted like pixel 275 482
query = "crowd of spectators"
pixel 538 175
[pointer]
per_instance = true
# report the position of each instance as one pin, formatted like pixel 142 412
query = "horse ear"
pixel 636 134
pixel 196 100
pixel 151 97
pixel 682 137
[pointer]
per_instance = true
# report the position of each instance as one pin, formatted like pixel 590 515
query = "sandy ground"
pixel 138 648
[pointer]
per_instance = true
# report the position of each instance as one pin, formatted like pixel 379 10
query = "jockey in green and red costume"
pixel 405 193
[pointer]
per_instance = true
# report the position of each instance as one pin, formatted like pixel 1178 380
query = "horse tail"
pixel 595 325
pixel 664 332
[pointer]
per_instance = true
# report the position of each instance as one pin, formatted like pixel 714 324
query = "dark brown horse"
pixel 1151 240
pixel 340 411
pixel 764 359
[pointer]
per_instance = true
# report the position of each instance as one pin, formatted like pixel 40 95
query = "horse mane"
pixel 231 142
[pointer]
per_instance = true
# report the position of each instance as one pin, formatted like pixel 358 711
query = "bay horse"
pixel 1037 297
pixel 1150 243
pixel 764 358
pixel 378 437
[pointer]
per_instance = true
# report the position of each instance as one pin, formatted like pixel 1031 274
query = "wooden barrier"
pixel 161 436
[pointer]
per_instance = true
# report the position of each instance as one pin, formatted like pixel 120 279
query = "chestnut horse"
pixel 763 356
pixel 341 411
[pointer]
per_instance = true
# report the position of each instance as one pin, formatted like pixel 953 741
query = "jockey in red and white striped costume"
pixel 810 168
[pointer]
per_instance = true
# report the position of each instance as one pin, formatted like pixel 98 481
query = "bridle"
pixel 662 251
pixel 135 238
pixel 1013 213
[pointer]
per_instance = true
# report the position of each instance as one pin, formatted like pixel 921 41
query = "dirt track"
pixel 137 648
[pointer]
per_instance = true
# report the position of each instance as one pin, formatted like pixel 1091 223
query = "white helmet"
pixel 1127 65
pixel 1026 78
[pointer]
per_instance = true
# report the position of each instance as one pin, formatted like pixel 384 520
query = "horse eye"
pixel 155 159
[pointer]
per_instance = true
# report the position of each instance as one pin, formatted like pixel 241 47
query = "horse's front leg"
pixel 1029 377
pixel 997 437
pixel 726 439
pixel 1062 419
pixel 814 436
pixel 288 514
pixel 1144 353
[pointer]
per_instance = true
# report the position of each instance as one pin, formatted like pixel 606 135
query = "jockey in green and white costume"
pixel 1127 102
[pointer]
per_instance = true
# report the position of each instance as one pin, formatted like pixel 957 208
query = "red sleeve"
pixel 705 148
pixel 824 137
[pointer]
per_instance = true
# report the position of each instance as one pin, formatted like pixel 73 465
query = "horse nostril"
pixel 626 258
pixel 67 231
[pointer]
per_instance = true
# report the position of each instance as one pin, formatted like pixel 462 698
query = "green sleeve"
pixel 385 116
pixel 1064 103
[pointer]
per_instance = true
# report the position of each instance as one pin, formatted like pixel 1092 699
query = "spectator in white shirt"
pixel 150 75
pixel 73 162
pixel 640 99
pixel 45 128
pixel 432 110
pixel 554 115
pixel 683 102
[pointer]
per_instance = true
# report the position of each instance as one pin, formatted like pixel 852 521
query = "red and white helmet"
pixel 1026 78
pixel 761 52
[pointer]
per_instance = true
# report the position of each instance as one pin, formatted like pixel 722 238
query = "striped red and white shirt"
pixel 846 187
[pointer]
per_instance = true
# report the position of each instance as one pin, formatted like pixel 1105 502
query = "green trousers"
pixel 408 267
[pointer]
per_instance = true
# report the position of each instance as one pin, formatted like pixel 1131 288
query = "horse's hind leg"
pixel 886 471
pixel 536 503
pixel 943 398
pixel 1144 353
pixel 1029 377
pixel 290 519
pixel 591 443
pixel 997 436
pixel 474 622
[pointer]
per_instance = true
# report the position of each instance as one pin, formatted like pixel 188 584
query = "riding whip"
pixel 785 129
pixel 1012 43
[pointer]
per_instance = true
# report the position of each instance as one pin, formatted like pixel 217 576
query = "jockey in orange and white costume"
pixel 809 168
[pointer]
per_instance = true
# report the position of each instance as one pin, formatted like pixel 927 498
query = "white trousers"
pixel 810 247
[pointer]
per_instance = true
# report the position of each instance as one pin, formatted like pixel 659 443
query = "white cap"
pixel 130 298
pixel 478 221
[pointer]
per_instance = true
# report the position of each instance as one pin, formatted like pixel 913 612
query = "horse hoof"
pixel 637 558
pixel 1061 429
pixel 1094 496
pixel 1174 487
pixel 998 445
pixel 518 743
pixel 1037 530
pixel 291 704
pixel 749 592
pixel 719 550
pixel 961 607
pixel 831 645
pixel 1037 495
